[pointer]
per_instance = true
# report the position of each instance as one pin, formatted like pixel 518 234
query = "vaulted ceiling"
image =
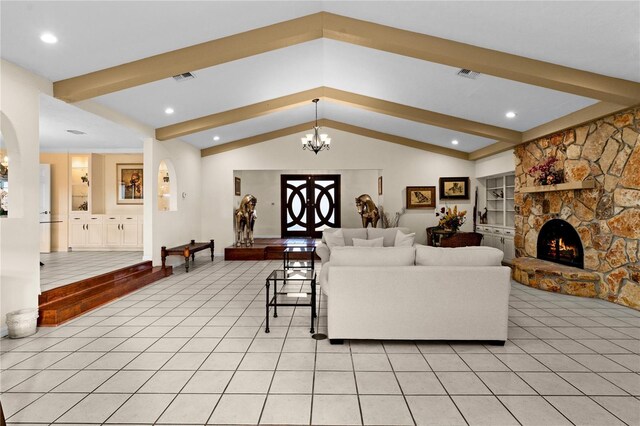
pixel 382 69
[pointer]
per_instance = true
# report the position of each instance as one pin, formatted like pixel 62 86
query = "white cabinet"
pixel 500 238
pixel 122 232
pixel 85 231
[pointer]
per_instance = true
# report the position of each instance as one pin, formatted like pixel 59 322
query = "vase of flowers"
pixel 451 219
pixel 546 172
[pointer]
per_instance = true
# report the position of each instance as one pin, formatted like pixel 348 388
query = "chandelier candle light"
pixel 315 141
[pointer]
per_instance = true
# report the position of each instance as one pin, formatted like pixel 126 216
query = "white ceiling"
pixel 598 36
pixel 101 135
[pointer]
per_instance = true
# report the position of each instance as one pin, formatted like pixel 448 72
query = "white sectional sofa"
pixel 417 293
pixel 388 234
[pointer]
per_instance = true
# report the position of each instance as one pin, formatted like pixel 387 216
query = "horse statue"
pixel 244 220
pixel 367 210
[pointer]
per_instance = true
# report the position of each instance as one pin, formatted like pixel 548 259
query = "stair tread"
pixel 58 311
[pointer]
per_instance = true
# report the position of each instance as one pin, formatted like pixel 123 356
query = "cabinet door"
pixel 94 234
pixel 509 249
pixel 113 235
pixel 129 234
pixel 77 234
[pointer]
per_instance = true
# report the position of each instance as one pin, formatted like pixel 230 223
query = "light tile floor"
pixel 61 268
pixel 191 349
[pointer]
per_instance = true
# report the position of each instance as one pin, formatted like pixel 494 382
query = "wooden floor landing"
pixel 266 248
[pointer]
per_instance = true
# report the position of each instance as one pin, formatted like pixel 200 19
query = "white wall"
pixel 497 164
pixel 171 228
pixel 20 232
pixel 265 186
pixel 400 167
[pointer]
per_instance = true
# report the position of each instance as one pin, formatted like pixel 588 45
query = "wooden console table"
pixel 187 250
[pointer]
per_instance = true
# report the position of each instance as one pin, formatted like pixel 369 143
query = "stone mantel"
pixel 588 183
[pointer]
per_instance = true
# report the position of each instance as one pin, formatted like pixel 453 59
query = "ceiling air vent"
pixel 183 76
pixel 468 74
pixel 76 132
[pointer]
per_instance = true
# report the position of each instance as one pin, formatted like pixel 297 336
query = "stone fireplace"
pixel 601 218
pixel 559 242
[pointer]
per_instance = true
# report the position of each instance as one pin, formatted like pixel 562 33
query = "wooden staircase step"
pixel 70 289
pixel 88 297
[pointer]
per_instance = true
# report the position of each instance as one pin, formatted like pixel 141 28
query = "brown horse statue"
pixel 244 220
pixel 367 210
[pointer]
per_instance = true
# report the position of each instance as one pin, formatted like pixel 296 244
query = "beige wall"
pixel 20 232
pixel 110 180
pixel 59 198
pixel 60 192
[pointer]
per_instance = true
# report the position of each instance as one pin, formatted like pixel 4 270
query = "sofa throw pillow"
pixel 377 242
pixel 389 234
pixel 334 239
pixel 351 233
pixel 404 240
pixel 458 256
pixel 373 256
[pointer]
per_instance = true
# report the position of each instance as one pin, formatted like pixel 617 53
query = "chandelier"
pixel 316 141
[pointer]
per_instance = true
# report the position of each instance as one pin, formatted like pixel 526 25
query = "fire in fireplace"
pixel 559 242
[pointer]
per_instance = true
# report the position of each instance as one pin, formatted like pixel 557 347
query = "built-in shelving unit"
pixel 499 230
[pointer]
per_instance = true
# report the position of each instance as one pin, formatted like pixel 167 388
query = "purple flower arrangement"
pixel 546 173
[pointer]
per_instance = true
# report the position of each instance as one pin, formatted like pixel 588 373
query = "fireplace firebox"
pixel 559 242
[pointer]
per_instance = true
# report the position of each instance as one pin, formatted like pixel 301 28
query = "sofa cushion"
pixel 334 239
pixel 404 240
pixel 376 242
pixel 458 256
pixel 351 233
pixel 389 234
pixel 373 256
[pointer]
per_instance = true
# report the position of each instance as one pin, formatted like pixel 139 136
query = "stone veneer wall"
pixel 607 217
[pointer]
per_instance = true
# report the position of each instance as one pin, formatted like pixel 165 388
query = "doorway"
pixel 309 204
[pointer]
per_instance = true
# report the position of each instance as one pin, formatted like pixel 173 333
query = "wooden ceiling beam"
pixel 238 114
pixel 192 58
pixel 423 116
pixel 487 61
pixel 304 127
pixel 354 31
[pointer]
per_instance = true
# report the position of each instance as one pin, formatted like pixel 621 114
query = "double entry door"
pixel 309 204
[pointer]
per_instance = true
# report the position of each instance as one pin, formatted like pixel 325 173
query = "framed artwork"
pixel 421 197
pixel 454 188
pixel 238 186
pixel 130 183
pixel 379 185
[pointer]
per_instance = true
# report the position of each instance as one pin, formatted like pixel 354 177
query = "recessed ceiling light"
pixel 510 114
pixel 76 132
pixel 454 142
pixel 168 110
pixel 216 138
pixel 48 38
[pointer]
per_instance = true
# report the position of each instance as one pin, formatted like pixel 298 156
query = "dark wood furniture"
pixel 268 249
pixel 461 239
pixel 187 250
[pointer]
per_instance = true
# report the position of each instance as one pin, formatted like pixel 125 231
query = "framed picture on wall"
pixel 379 185
pixel 421 197
pixel 454 188
pixel 130 183
pixel 237 185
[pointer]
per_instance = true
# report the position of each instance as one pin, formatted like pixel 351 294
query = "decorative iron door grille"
pixel 309 204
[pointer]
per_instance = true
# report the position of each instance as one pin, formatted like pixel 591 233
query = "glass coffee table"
pixel 291 287
pixel 304 257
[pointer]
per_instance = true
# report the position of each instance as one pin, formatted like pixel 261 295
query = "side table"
pixel 287 285
pixel 308 263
